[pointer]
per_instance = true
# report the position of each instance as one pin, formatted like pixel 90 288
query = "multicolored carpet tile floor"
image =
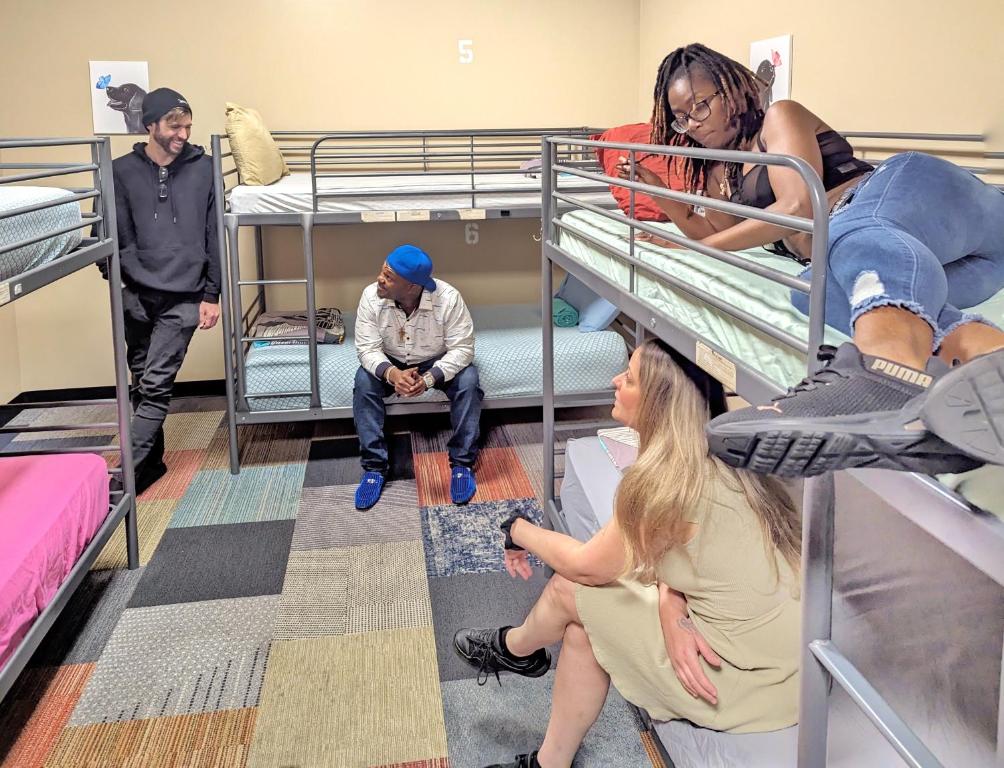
pixel 271 625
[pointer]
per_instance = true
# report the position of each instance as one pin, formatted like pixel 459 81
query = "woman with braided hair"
pixel 687 599
pixel 912 244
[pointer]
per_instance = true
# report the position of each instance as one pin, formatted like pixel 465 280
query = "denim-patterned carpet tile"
pixel 467 539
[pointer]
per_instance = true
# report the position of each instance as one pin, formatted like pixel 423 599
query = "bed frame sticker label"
pixel 472 213
pixel 717 365
pixel 413 215
pixel 4 293
pixel 370 217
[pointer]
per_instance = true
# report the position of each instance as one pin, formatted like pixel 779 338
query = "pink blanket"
pixel 50 508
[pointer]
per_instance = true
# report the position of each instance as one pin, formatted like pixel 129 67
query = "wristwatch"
pixel 429 379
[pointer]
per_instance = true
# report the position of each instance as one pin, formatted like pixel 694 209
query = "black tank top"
pixel 839 166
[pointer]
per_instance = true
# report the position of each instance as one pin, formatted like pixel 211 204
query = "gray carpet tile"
pixel 328 517
pixel 336 461
pixel 489 724
pixel 467 539
pixel 37 442
pixel 478 600
pixel 83 628
pixel 215 562
pixel 352 590
pixel 181 659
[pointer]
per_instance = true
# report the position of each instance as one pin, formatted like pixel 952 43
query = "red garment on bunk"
pixel 645 208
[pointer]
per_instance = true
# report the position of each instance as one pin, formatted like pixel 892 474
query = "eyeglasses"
pixel 700 112
pixel 162 178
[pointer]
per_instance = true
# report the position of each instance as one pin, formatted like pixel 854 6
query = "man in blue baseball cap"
pixel 414 334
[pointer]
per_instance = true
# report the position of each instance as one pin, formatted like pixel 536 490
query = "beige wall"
pixel 860 65
pixel 315 65
pixel 896 66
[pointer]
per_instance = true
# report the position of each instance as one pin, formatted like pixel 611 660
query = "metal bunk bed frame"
pixel 429 153
pixel 102 244
pixel 977 537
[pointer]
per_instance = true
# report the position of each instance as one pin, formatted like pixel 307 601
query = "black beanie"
pixel 159 102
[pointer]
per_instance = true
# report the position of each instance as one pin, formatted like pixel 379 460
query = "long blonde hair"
pixel 668 479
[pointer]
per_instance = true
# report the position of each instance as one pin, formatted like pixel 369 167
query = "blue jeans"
pixel 920 233
pixel 369 411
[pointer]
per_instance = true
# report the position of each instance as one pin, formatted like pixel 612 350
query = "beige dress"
pixel 742 603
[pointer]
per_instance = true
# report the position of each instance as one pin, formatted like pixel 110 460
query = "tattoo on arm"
pixel 684 622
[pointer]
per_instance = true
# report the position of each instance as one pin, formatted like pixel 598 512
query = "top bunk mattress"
pixel 756 295
pixel 45 525
pixel 27 226
pixel 293 193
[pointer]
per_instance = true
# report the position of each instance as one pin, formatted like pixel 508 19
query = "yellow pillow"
pixel 258 158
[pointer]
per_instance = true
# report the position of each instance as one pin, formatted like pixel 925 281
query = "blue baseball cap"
pixel 413 264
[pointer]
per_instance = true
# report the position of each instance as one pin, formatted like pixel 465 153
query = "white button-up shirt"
pixel 440 329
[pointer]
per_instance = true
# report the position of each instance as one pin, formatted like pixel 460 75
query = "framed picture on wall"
pixel 771 61
pixel 117 91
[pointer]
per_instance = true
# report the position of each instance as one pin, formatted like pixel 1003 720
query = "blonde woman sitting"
pixel 687 599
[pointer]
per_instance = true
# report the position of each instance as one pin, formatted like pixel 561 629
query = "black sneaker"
pixel 521 761
pixel 965 407
pixel 855 411
pixel 483 650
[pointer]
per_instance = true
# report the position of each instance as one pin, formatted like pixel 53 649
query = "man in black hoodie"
pixel 170 264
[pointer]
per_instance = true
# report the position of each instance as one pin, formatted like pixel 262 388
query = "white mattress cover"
pixel 293 193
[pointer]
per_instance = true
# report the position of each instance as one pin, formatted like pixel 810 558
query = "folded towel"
pixel 564 314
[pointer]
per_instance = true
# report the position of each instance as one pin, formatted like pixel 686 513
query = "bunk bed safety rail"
pixel 817 224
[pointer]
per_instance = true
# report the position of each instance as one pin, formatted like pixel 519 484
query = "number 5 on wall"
pixel 466 48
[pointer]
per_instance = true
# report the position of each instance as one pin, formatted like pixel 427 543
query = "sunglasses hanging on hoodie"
pixel 163 174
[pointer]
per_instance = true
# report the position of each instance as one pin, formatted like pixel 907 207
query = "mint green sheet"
pixel 756 295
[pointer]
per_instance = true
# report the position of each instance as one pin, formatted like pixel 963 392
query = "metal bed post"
pixel 122 395
pixel 234 257
pixel 259 253
pixel 226 308
pixel 817 606
pixel 548 181
pixel 819 504
pixel 307 222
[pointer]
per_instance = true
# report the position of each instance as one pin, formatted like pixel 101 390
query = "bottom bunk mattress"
pixel 27 226
pixel 757 295
pixel 508 354
pixel 50 508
